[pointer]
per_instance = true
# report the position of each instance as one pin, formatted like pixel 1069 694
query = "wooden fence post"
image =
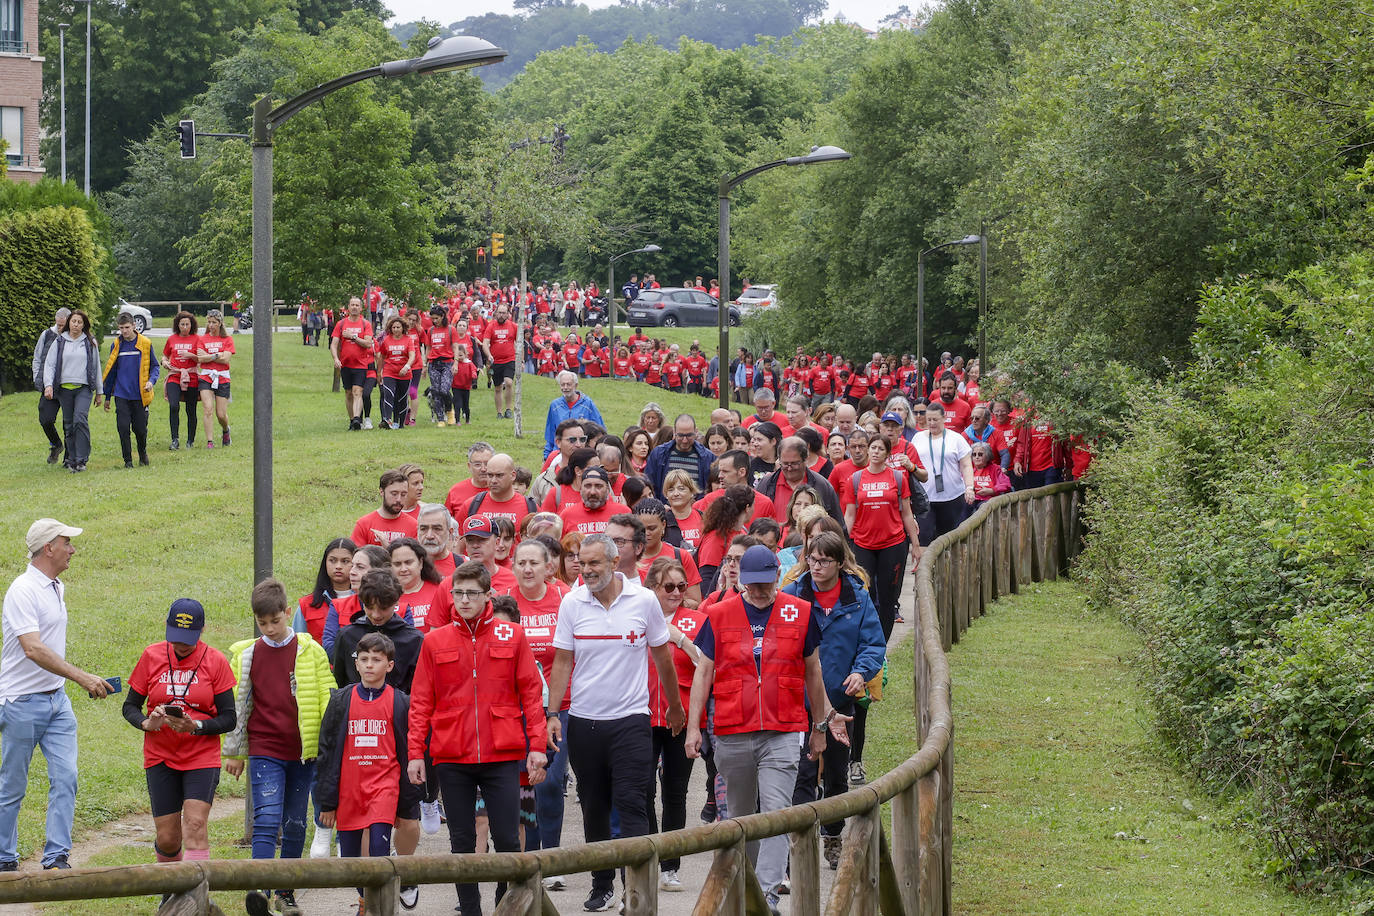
pixel 906 846
pixel 723 892
pixel 931 854
pixel 381 899
pixel 522 898
pixel 641 888
pixel 805 870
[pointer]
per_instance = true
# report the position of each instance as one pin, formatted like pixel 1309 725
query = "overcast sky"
pixel 864 12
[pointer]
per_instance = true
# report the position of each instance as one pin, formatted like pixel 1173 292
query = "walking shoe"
pixel 56 452
pixel 708 811
pixel 551 883
pixel 832 851
pixel 143 459
pixel 209 443
pixel 784 887
pixel 510 414
pixel 367 422
pixel 450 417
pixel 320 845
pixel 224 439
pixel 440 423
pixel 286 903
pixel 899 618
pixel 355 423
pixel 410 896
pixel 9 866
pixel 256 903
pixel 772 899
pixel 669 881
pixel 128 465
pixel 600 901
pixel 59 863
pixel 429 817
pixel 857 776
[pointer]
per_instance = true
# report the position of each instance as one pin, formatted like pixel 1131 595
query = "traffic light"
pixel 186 132
pixel 481 254
pixel 498 244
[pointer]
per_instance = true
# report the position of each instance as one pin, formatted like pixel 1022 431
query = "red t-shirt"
pixel 672 373
pixel 440 343
pixel 579 518
pixel 622 366
pixel 369 768
pixel 469 343
pixel 839 478
pixel 273 724
pixel 190 683
pixel 180 351
pixel 501 339
pixel 878 518
pixel 690 527
pixel 826 599
pixel 712 548
pixel 540 619
pixel 819 380
pixel 374 529
pixel 570 358
pixel 460 497
pixel 515 508
pixel 956 413
pixel 215 346
pixel 397 353
pixel 682 555
pixel 419 606
pixel 352 354
pixel 464 375
pixel 641 362
pixel 777 419
pixel 696 366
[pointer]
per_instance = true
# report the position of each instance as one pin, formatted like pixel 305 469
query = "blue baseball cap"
pixel 185 621
pixel 757 566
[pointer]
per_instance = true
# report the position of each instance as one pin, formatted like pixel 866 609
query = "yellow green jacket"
pixel 310 683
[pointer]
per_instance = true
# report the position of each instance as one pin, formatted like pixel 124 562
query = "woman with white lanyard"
pixel 949 482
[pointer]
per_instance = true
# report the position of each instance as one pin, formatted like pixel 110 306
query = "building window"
pixel 11 27
pixel 12 132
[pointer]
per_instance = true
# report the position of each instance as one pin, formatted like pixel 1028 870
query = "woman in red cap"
pixel 181 696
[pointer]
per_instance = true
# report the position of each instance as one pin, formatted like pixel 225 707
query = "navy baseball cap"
pixel 185 621
pixel 757 566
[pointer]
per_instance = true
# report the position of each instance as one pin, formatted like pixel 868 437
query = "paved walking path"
pixel 440 900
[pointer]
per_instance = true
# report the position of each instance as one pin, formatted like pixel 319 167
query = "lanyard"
pixel 937 469
pixel 179 693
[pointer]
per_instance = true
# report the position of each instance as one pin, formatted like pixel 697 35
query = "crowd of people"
pixel 651 595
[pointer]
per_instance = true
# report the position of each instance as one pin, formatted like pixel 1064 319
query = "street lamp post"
pixel 921 300
pixel 90 8
pixel 727 184
pixel 62 66
pixel 610 290
pixel 457 53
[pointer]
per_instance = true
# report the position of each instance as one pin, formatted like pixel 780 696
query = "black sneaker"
pixel 128 465
pixel 60 862
pixel 175 446
pixel 599 901
pixel 410 897
pixel 286 903
pixel 53 454
pixel 9 866
pixel 256 903
pixel 708 812
pixel 355 423
pixel 143 458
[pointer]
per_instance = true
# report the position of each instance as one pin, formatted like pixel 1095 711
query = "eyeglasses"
pixel 792 465
pixel 467 594
pixel 671 587
pixel 620 542
pixel 727 559
pixel 574 439
pixel 820 561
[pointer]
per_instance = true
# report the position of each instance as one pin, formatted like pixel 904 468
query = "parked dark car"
pixel 677 307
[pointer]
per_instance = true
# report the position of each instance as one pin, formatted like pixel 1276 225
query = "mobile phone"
pixel 174 712
pixel 116 686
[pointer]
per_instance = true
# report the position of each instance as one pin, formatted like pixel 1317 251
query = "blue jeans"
pixel 43 720
pixel 281 793
pixel 549 795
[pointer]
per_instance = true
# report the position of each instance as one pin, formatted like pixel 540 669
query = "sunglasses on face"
pixel 671 587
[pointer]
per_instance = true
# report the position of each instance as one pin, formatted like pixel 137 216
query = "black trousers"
pixel 500 785
pixel 462 407
pixel 131 415
pixel 886 569
pixel 675 775
pixel 48 411
pixel 177 399
pixel 949 515
pixel 614 764
pixel 833 780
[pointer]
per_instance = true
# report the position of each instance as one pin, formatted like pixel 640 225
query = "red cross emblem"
pixel 503 631
pixel 686 624
pixel 632 636
pixel 789 612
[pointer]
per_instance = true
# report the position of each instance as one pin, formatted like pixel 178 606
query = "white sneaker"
pixel 669 881
pixel 429 817
pixel 555 883
pixel 367 422
pixel 319 847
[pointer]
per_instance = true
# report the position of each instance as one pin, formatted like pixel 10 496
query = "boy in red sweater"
pixel 464 377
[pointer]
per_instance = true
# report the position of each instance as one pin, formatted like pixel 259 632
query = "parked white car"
pixel 757 297
pixel 143 319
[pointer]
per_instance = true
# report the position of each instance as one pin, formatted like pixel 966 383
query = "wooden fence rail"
pixel 1013 539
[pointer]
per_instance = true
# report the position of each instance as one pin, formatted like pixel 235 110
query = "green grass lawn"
pixel 184 526
pixel 1063 803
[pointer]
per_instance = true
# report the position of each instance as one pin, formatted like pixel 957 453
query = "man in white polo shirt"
pixel 607 629
pixel 34 709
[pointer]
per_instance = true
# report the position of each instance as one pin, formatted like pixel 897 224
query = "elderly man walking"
pixel 571 404
pixel 34 709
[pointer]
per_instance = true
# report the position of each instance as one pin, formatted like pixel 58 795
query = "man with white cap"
pixel 760 659
pixel 34 709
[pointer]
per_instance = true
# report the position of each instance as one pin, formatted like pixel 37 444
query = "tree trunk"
pixel 520 338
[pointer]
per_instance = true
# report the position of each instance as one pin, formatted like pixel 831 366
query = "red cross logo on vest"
pixel 632 636
pixel 503 631
pixel 686 624
pixel 788 612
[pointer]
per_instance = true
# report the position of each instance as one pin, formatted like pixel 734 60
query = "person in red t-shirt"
pixel 351 343
pixel 957 410
pixel 398 357
pixel 330 582
pixel 674 372
pixel 592 514
pixel 188 691
pixel 641 361
pixel 696 369
pixel 181 385
pixel 877 514
pixel 391 521
pixel 1039 457
pixel 213 350
pixel 621 367
pixel 498 344
pixel 654 515
pixel 439 352
pixel 464 377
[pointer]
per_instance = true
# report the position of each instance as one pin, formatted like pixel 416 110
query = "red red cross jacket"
pixel 750 700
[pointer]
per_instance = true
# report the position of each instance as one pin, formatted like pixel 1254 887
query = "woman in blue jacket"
pixel 852 652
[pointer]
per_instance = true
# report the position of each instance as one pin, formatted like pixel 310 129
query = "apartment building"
pixel 21 88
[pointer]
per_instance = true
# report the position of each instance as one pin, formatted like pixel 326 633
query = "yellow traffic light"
pixel 498 244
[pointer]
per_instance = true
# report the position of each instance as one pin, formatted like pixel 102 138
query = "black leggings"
pixel 378 843
pixel 886 569
pixel 190 399
pixel 368 384
pixel 676 774
pixel 834 781
pixel 500 785
pixel 395 400
pixel 461 408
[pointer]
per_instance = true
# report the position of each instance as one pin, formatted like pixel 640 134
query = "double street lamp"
pixel 982 241
pixel 457 53
pixel 727 184
pixel 610 290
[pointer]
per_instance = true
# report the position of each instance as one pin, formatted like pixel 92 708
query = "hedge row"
pixel 1234 526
